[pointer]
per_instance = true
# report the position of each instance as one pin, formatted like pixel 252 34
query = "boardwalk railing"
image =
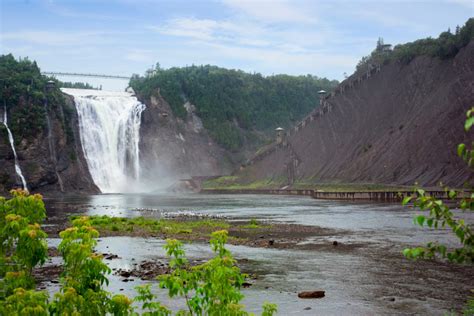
pixel 376 196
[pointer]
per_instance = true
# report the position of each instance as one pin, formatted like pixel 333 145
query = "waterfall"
pixel 12 144
pixel 109 126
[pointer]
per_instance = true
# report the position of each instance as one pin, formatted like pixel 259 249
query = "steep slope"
pixel 46 137
pixel 59 168
pixel 172 148
pixel 399 126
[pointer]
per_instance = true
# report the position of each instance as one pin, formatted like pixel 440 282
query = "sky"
pixel 298 37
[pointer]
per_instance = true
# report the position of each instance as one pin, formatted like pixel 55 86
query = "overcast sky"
pixel 323 38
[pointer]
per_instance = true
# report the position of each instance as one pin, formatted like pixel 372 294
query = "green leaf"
pixel 429 222
pixel 469 123
pixel 461 149
pixel 421 192
pixel 420 220
pixel 452 194
pixel 418 252
pixel 407 252
pixel 460 234
pixel 406 200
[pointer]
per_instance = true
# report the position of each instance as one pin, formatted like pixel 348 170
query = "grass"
pixel 254 224
pixel 185 230
pixel 161 226
pixel 236 183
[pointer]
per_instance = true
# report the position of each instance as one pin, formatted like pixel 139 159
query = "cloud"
pixel 201 29
pixel 242 32
pixel 387 20
pixel 41 37
pixel 140 55
pixel 63 38
pixel 272 11
pixel 87 15
pixel 465 3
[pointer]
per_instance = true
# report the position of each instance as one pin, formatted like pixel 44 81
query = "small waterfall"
pixel 12 144
pixel 109 126
pixel 52 148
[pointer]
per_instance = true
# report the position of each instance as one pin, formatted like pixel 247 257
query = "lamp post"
pixel 279 135
pixel 321 93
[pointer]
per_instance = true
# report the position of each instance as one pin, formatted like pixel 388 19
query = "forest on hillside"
pixel 25 94
pixel 231 102
pixel 447 45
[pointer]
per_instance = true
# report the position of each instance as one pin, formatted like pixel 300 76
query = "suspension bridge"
pixel 75 74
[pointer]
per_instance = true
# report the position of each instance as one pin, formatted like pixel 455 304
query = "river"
pixel 372 278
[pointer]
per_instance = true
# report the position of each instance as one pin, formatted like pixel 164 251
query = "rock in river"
pixel 311 294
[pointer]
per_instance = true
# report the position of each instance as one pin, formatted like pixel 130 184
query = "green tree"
pixel 231 103
pixel 212 288
pixel 440 215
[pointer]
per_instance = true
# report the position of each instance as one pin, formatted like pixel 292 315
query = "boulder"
pixel 311 294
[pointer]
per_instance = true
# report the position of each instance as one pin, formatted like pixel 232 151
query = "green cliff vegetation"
pixel 24 92
pixel 447 45
pixel 232 102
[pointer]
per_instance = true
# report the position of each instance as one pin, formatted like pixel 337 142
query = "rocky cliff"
pixel 172 148
pixel 399 124
pixel 52 160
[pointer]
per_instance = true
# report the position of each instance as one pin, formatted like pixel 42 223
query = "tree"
pixel 440 215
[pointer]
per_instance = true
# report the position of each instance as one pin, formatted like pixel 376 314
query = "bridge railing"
pixel 74 74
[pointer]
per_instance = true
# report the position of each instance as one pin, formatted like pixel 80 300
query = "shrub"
pixel 212 288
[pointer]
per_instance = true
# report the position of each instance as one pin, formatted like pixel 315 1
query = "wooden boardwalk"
pixel 376 196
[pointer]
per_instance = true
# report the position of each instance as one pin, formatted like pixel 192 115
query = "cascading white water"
pixel 109 125
pixel 12 144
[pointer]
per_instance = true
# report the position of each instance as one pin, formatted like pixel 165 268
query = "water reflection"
pixel 390 222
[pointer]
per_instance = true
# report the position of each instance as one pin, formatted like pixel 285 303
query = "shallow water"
pixel 358 282
pixel 389 222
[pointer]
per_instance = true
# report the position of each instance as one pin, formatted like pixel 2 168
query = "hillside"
pixel 396 124
pixel 44 126
pixel 235 107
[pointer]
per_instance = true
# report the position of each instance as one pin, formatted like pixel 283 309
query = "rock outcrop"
pixel 399 126
pixel 52 161
pixel 172 148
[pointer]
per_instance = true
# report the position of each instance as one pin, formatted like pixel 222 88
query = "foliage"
pixel 28 99
pixel 212 288
pixel 232 101
pixel 149 304
pixel 440 215
pixel 446 46
pixel 22 84
pixel 77 85
pixel 469 308
pixel 22 242
pixel 84 272
pixel 25 302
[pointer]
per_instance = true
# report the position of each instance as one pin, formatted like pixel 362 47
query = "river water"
pixel 370 279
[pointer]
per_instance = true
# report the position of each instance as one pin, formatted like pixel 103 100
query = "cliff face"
pixel 399 126
pixel 52 160
pixel 172 148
